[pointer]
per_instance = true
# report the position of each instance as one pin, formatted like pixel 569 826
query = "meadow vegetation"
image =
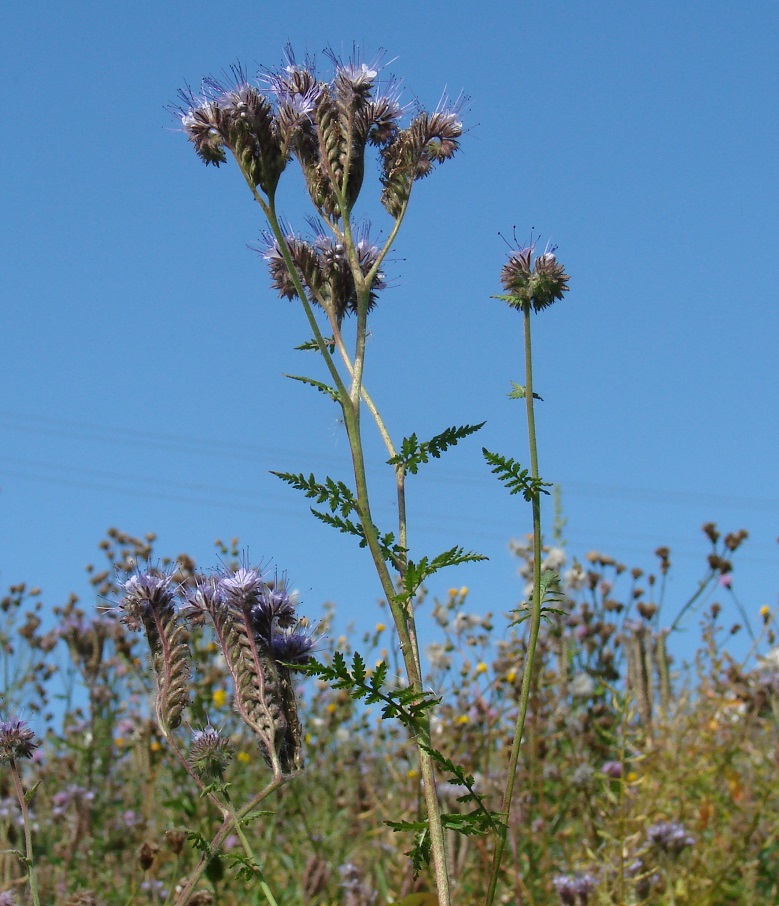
pixel 638 784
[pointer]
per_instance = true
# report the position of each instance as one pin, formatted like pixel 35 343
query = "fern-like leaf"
pixel 312 345
pixel 317 385
pixel 515 477
pixel 413 453
pixel 416 573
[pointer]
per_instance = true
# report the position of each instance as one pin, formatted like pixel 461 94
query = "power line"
pixel 439 475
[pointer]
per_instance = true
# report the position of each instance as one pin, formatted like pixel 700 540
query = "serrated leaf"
pixel 518 392
pixel 417 572
pixel 317 385
pixel 413 453
pixel 515 477
pixel 312 345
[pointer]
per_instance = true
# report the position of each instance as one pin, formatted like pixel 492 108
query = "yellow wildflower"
pixel 243 757
pixel 219 698
pixel 481 667
pixel 412 774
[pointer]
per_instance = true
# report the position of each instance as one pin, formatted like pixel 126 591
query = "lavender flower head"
pixel 145 593
pixel 291 646
pixel 670 837
pixel 17 740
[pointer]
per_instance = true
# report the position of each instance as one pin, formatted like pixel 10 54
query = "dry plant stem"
pixel 535 619
pixel 27 834
pixel 401 612
pixel 228 822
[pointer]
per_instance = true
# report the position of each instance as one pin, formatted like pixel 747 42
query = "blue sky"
pixel 141 382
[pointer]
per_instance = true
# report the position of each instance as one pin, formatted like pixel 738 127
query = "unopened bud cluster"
pixel 533 283
pixel 254 619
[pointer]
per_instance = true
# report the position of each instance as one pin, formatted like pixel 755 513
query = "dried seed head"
pixel 147 854
pixel 17 740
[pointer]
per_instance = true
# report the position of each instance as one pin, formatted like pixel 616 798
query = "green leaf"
pixel 518 392
pixel 413 453
pixel 515 477
pixel 416 573
pixel 339 497
pixel 336 494
pixel 312 345
pixel 318 385
pixel 402 703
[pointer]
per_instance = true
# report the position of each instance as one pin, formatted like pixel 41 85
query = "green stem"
pixel 535 620
pixel 228 820
pixel 27 835
pixel 350 404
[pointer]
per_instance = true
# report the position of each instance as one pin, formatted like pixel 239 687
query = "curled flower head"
pixel 17 740
pixel 202 599
pixel 145 594
pixel 323 268
pixel 243 587
pixel 235 114
pixel 431 138
pixel 536 283
pixel 210 753
pixel 274 609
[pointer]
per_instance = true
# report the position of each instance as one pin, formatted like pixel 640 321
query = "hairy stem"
pixel 535 619
pixel 27 835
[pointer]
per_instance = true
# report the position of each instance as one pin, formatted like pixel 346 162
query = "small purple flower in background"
pixel 669 837
pixel 17 740
pixel 574 890
pixel 8 898
pixel 612 769
pixel 71 794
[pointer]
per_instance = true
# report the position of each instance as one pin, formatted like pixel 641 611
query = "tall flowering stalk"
pixel 17 741
pixel 327 127
pixel 531 286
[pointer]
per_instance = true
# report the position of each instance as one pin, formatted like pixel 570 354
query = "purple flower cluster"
pixel 289 112
pixel 17 740
pixel 574 890
pixel 266 602
pixel 669 837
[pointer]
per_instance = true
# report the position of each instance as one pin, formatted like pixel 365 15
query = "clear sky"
pixel 141 378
